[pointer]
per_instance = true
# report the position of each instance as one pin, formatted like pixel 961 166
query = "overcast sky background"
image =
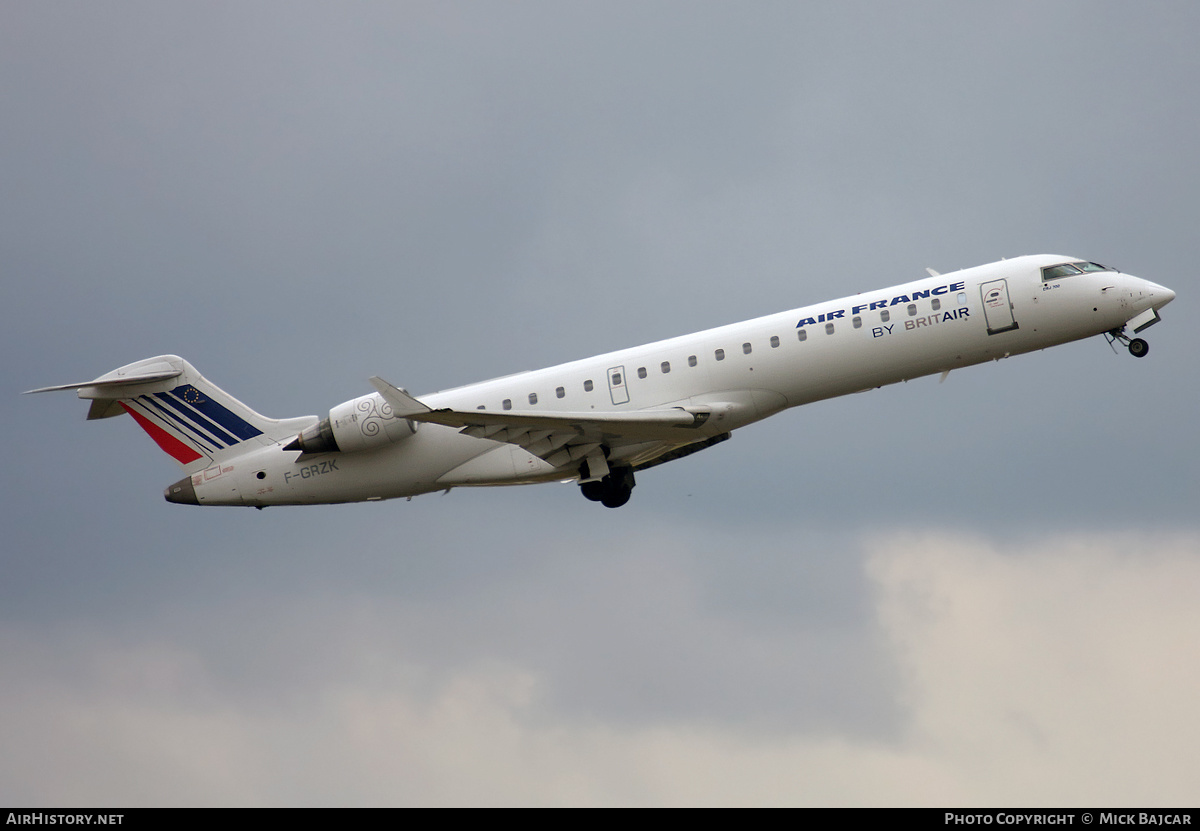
pixel 980 592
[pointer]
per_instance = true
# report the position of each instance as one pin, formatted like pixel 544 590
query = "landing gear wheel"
pixel 1138 348
pixel 616 498
pixel 613 490
pixel 593 490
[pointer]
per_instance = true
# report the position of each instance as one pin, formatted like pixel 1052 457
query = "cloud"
pixel 1046 672
pixel 1049 672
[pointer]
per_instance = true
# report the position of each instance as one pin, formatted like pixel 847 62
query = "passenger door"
pixel 997 308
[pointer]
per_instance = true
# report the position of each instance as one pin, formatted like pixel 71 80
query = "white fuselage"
pixel 744 372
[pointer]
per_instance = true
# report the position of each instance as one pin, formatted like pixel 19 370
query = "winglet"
pixel 403 404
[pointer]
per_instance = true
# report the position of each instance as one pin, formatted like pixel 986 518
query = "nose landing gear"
pixel 1138 348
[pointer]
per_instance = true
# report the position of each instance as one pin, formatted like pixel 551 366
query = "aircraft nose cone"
pixel 1148 295
pixel 1157 296
pixel 182 492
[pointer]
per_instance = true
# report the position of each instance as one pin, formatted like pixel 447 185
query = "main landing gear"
pixel 1138 348
pixel 613 490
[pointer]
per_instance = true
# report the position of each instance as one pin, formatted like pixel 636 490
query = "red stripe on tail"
pixel 179 451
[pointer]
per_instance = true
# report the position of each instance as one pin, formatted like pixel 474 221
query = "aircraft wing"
pixel 559 438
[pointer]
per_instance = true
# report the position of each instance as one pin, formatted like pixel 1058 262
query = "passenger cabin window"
pixel 560 392
pixel 533 398
pixel 587 386
pixel 641 372
pixel 857 322
pixel 885 316
pixel 691 360
pixel 829 328
pixel 666 367
pixel 746 348
pixel 912 309
pixel 962 298
pixel 616 379
pixel 774 341
pixel 507 404
pixel 801 334
pixel 937 304
pixel 719 354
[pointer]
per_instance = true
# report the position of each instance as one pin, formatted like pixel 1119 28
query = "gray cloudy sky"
pixel 975 592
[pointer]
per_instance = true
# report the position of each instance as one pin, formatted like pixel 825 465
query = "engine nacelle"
pixel 361 424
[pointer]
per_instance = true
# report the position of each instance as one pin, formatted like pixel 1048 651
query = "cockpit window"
pixel 1056 272
pixel 1093 267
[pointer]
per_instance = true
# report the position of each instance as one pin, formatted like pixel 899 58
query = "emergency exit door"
pixel 616 385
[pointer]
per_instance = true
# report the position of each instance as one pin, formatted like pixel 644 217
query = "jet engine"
pixel 364 423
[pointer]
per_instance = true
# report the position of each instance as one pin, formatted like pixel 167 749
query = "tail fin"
pixel 193 420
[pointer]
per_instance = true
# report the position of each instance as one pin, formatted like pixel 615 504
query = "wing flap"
pixel 562 439
pixel 489 423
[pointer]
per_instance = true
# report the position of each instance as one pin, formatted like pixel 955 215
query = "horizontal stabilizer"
pixel 109 385
pixel 190 418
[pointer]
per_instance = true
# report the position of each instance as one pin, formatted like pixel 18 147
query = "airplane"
pixel 598 421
